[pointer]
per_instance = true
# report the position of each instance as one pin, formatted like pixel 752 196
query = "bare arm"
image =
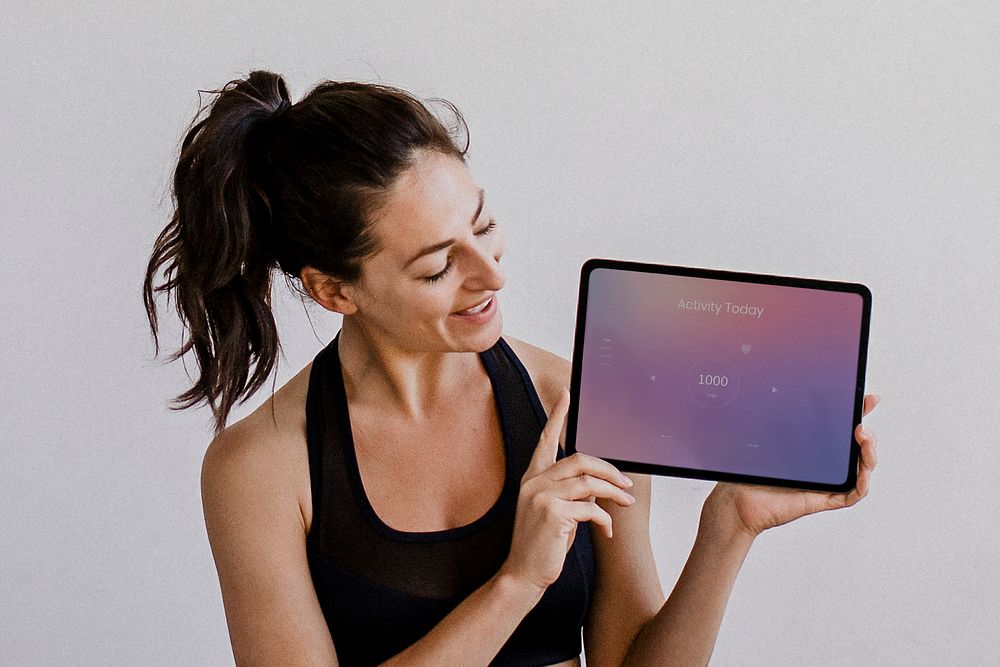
pixel 684 631
pixel 257 536
pixel 475 631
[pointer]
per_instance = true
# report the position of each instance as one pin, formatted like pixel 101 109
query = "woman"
pixel 404 498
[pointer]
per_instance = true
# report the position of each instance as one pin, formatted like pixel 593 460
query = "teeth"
pixel 478 309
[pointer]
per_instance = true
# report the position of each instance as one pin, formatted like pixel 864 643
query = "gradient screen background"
pixel 719 375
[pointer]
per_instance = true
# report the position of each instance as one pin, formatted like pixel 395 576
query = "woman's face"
pixel 412 289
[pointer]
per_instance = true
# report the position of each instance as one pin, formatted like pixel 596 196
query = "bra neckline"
pixel 354 473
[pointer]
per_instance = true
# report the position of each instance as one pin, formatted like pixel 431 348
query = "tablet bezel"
pixel 593 264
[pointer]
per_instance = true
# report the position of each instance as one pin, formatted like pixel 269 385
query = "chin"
pixel 485 339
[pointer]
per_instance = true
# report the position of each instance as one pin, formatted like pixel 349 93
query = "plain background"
pixel 838 140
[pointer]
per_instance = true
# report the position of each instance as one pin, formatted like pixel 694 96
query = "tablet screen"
pixel 711 375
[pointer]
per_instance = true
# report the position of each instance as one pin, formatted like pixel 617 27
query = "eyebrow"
pixel 446 244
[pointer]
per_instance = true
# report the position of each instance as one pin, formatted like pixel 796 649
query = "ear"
pixel 334 295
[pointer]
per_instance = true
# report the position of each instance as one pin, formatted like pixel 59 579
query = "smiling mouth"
pixel 477 309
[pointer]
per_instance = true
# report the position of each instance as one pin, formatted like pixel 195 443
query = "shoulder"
pixel 549 372
pixel 263 454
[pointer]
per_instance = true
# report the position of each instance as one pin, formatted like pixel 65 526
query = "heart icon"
pixel 745 348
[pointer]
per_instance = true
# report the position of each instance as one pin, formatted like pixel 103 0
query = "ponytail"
pixel 216 263
pixel 260 184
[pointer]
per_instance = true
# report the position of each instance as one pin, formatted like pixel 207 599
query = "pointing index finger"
pixel 548 442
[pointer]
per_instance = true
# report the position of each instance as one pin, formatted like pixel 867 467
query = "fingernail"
pixel 626 480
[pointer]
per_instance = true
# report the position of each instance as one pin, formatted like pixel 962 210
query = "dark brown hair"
pixel 262 183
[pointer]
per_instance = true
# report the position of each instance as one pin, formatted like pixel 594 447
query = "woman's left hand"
pixel 755 508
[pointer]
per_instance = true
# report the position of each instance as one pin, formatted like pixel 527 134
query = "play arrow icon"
pixel 773 389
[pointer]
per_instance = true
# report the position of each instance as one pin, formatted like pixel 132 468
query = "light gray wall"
pixel 849 141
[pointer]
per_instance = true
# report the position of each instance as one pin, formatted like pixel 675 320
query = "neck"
pixel 416 384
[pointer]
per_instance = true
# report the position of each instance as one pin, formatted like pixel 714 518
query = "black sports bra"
pixel 382 589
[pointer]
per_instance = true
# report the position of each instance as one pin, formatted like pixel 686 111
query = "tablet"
pixel 719 375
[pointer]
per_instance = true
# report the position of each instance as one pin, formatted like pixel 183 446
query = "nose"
pixel 486 273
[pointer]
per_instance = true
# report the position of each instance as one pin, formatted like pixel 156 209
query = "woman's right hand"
pixel 554 497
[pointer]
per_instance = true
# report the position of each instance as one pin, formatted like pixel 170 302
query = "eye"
pixel 489 228
pixel 433 279
pixel 439 276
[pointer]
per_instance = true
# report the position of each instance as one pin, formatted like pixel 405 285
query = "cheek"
pixel 425 300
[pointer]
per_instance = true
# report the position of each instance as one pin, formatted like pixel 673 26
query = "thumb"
pixel 548 442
